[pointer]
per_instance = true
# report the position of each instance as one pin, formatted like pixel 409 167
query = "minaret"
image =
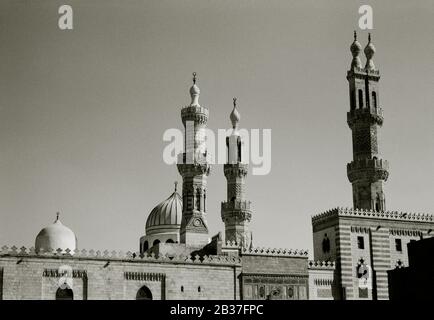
pixel 367 172
pixel 235 212
pixel 194 169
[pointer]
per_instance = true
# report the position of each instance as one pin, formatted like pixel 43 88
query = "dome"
pixel 166 215
pixel 56 236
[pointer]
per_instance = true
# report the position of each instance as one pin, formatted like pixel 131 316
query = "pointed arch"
pixel 64 294
pixel 144 294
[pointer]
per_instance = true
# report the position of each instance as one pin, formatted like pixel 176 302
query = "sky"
pixel 83 111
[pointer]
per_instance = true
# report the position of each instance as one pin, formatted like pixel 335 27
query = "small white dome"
pixel 56 236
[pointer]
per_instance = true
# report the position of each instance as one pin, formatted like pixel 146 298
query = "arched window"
pixel 239 149
pixel 144 294
pixel 360 99
pixel 182 288
pixel 198 196
pixel 64 294
pixel 169 241
pixel 198 289
pixel 156 241
pixel 204 200
pixel 352 100
pixel 374 99
pixel 145 246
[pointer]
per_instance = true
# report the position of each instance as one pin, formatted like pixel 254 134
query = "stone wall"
pixel 37 277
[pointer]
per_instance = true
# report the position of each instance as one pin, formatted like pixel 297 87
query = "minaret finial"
pixel 176 185
pixel 369 53
pixel 194 92
pixel 235 102
pixel 355 51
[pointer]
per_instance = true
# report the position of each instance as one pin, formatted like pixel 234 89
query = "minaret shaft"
pixel 367 172
pixel 235 212
pixel 194 169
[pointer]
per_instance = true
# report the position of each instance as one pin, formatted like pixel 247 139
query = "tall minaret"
pixel 367 172
pixel 194 169
pixel 235 211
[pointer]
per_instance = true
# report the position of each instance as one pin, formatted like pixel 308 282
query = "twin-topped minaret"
pixel 367 172
pixel 235 212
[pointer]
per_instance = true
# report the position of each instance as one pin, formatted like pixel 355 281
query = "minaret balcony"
pixel 365 115
pixel 194 166
pixel 235 169
pixel 368 169
pixel 361 73
pixel 236 211
pixel 236 205
pixel 194 113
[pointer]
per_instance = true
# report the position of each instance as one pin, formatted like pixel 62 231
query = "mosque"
pixel 177 259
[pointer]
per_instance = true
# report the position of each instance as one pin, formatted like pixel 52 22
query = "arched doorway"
pixel 144 294
pixel 64 294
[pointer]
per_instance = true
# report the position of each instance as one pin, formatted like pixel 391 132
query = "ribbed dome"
pixel 167 214
pixel 56 236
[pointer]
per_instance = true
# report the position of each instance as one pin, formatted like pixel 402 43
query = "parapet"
pixel 119 256
pixel 371 214
pixel 321 265
pixel 274 252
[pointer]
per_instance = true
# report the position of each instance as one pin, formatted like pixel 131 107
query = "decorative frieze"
pixel 57 273
pixel 362 213
pixel 144 276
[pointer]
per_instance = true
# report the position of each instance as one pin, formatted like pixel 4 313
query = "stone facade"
pixel 249 274
pixel 364 238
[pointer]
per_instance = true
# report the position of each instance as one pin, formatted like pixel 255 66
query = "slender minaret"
pixel 367 172
pixel 194 169
pixel 235 212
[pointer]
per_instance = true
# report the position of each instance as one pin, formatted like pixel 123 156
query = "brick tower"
pixel 194 169
pixel 235 211
pixel 367 172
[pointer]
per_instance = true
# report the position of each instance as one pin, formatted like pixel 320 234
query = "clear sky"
pixel 83 112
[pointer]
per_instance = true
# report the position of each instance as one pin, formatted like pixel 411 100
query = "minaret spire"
pixel 194 92
pixel 369 53
pixel 235 115
pixel 355 51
